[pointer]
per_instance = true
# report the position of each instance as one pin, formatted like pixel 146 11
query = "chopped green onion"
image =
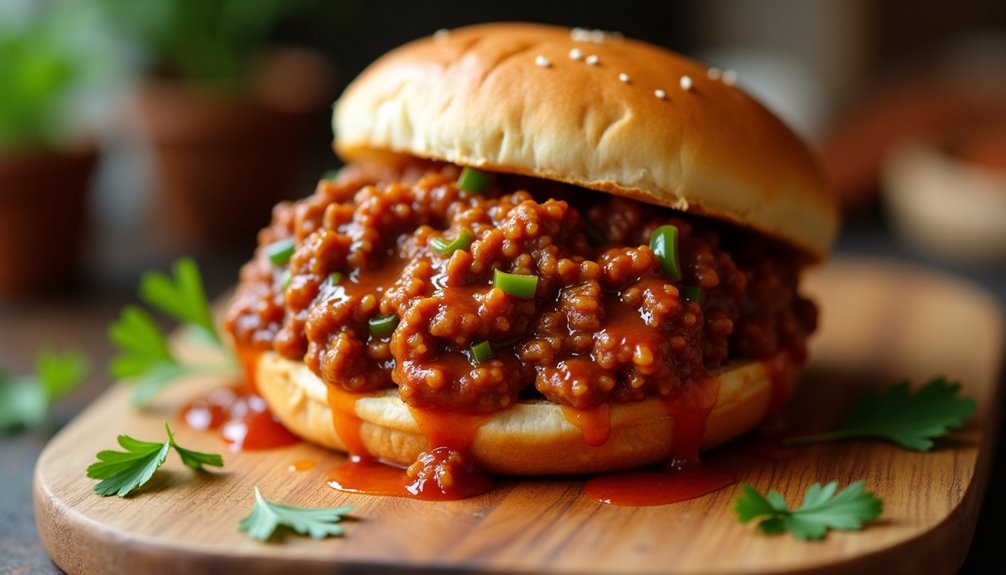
pixel 445 247
pixel 515 284
pixel 664 243
pixel 474 181
pixel 691 293
pixel 331 175
pixel 383 325
pixel 279 252
pixel 284 280
pixel 594 236
pixel 482 351
pixel 334 278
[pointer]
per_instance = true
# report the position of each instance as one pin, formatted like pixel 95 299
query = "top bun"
pixel 594 110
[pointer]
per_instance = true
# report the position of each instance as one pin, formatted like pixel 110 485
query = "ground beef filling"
pixel 603 326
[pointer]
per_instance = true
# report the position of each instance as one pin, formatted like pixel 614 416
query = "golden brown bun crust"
pixel 532 438
pixel 477 97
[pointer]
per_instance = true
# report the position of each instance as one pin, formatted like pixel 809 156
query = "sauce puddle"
pixel 679 481
pixel 242 418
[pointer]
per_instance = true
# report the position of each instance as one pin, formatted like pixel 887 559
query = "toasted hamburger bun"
pixel 512 98
pixel 532 437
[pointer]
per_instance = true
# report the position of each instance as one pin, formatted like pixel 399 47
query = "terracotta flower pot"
pixel 42 212
pixel 226 157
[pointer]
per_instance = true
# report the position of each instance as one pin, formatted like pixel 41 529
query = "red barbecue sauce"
pixel 594 423
pixel 684 477
pixel 446 471
pixel 239 414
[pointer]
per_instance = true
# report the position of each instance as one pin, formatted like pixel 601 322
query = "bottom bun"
pixel 532 437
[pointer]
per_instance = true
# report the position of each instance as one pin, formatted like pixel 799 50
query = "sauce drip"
pixel 446 471
pixel 346 423
pixel 594 423
pixel 679 481
pixel 684 477
pixel 242 418
pixel 248 360
pixel 690 410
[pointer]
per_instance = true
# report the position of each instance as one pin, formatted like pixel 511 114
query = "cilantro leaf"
pixel 24 401
pixel 141 344
pixel 822 509
pixel 122 472
pixel 899 416
pixel 194 459
pixel 144 355
pixel 267 516
pixel 60 374
pixel 182 297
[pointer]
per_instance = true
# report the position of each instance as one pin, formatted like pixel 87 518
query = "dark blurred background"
pixel 132 133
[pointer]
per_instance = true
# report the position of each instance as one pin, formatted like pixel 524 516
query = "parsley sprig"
pixel 911 420
pixel 144 355
pixel 268 516
pixel 24 401
pixel 122 472
pixel 822 509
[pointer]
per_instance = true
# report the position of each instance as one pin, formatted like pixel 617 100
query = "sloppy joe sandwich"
pixel 550 251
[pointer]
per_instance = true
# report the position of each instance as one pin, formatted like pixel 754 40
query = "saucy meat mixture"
pixel 469 300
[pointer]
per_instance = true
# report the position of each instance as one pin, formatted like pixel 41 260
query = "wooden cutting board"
pixel 880 322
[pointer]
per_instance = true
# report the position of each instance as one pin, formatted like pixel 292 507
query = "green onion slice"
pixel 482 351
pixel 515 284
pixel 445 247
pixel 284 280
pixel 474 181
pixel 691 293
pixel 279 252
pixel 331 175
pixel 664 243
pixel 334 278
pixel 383 325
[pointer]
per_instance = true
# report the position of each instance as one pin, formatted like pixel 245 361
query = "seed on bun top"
pixel 596 110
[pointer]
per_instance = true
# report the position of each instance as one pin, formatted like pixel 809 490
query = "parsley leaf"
pixel 24 401
pixel 822 509
pixel 194 459
pixel 182 298
pixel 897 415
pixel 122 472
pixel 267 516
pixel 144 354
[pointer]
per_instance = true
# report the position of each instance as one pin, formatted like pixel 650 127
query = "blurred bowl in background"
pixel 949 197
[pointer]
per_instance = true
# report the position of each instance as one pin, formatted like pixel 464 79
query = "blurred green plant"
pixel 205 40
pixel 25 401
pixel 51 53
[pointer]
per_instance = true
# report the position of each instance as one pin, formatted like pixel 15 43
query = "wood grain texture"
pixel 880 322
